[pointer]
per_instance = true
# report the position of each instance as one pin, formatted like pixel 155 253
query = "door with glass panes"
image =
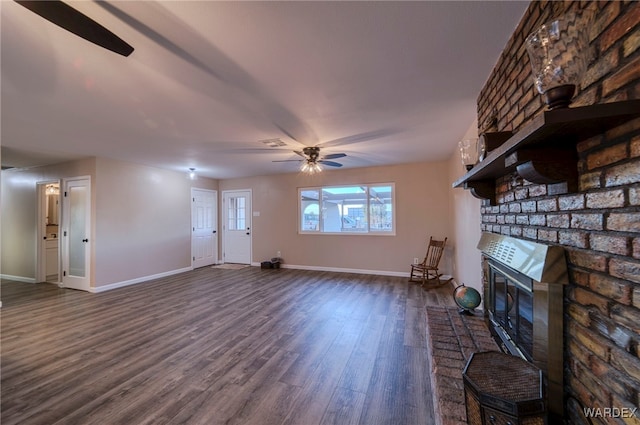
pixel 237 226
pixel 76 231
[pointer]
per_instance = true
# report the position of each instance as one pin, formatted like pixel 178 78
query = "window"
pixel 236 213
pixel 355 209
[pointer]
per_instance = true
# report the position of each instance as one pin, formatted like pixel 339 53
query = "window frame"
pixel 366 207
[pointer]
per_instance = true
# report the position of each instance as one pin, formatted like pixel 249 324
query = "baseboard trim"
pixel 18 278
pixel 103 288
pixel 342 270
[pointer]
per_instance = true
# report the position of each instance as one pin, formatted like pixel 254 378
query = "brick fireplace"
pixel 597 221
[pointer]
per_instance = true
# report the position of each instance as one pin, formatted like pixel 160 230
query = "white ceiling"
pixel 384 82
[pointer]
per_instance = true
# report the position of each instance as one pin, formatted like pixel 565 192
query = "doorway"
pixel 236 207
pixel 204 227
pixel 48 232
pixel 76 233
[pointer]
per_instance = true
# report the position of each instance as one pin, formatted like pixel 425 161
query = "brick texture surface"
pixel 452 338
pixel 599 224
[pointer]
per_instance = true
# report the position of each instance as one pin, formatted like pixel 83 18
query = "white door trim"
pixel 249 217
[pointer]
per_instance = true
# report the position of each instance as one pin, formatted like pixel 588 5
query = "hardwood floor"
pixel 215 346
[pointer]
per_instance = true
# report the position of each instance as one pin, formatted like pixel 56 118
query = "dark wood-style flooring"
pixel 212 346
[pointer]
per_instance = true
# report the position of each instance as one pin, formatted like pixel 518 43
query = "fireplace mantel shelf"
pixel 544 151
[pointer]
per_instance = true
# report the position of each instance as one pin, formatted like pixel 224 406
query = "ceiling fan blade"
pixel 78 23
pixel 362 137
pixel 187 43
pixel 330 163
pixel 288 160
pixel 253 150
pixel 334 156
pixel 300 153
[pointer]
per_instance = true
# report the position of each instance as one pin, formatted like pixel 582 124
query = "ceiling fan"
pixel 67 17
pixel 312 159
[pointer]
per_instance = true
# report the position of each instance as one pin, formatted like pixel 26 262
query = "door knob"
pixel 248 233
pixel 85 240
pixel 215 231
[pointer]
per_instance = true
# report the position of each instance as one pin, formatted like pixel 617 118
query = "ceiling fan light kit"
pixel 311 167
pixel 313 162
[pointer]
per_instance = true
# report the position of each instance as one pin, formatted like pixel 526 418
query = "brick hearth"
pixel 452 338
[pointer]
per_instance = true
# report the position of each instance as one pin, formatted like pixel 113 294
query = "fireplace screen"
pixel 511 310
pixel 524 299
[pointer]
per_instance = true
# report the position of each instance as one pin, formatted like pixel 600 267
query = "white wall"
pixel 143 221
pixel 18 217
pixel 422 210
pixel 140 217
pixel 465 217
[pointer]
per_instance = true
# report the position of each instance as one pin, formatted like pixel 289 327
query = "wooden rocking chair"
pixel 428 268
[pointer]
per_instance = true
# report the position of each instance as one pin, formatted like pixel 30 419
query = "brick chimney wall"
pixel 599 225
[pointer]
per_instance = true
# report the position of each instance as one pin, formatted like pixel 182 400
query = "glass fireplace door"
pixel 511 311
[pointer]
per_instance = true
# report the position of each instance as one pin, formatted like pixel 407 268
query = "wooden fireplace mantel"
pixel 544 150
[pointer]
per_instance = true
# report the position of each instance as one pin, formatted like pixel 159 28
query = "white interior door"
pixel 237 226
pixel 204 236
pixel 76 231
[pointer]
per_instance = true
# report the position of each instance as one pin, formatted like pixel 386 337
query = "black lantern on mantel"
pixel 559 52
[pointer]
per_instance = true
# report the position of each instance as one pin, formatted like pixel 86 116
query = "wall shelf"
pixel 544 150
